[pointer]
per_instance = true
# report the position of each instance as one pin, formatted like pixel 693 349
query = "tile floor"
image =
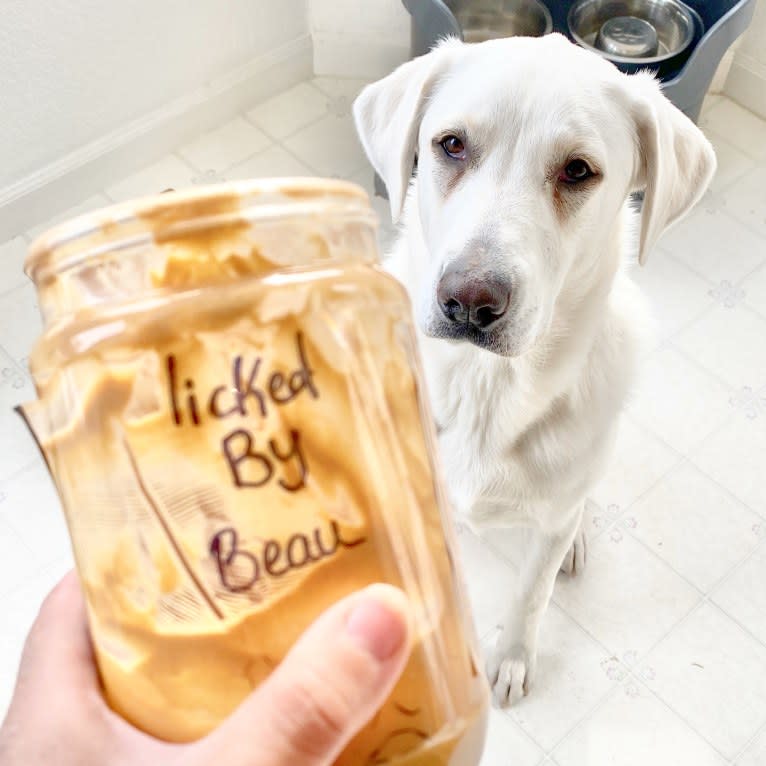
pixel 657 654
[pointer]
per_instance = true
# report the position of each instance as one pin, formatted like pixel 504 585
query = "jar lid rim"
pixel 172 207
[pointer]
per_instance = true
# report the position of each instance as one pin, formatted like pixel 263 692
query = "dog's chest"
pixel 480 410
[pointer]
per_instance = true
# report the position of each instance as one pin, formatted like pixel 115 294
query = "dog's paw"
pixel 577 555
pixel 510 675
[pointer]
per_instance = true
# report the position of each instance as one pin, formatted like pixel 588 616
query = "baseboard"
pixel 340 58
pixel 90 168
pixel 746 84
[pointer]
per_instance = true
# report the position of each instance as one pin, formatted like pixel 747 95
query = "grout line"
pixel 719 198
pixel 295 156
pixel 608 654
pixel 731 144
pixel 690 457
pixel 752 740
pixel 719 137
pixel 750 553
pixel 735 620
pixel 634 415
pixel 753 271
pixel 630 673
pixel 28 467
pixel 613 692
pixel 280 139
pixel 723 487
pixel 507 713
pixel 671 253
pixel 672 344
pixel 687 323
pixel 679 716
pixel 20 368
pixel 705 598
pixel 252 156
pixel 40 570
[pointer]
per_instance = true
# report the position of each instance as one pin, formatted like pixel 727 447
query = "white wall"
pixel 72 71
pixel 746 82
pixel 359 38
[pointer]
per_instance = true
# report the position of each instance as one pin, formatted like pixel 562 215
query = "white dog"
pixel 516 227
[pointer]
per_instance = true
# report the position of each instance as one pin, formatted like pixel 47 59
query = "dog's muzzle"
pixel 472 301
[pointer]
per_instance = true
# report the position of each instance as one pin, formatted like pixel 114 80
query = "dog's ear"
pixel 388 112
pixel 674 163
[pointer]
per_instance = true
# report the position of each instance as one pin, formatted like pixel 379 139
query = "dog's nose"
pixel 464 299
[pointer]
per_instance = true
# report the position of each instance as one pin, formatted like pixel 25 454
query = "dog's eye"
pixel 575 172
pixel 453 147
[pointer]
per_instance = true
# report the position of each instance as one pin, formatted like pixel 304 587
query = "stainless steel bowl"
pixel 482 20
pixel 628 36
pixel 592 25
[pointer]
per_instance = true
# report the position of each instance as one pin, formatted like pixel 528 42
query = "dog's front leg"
pixel 511 664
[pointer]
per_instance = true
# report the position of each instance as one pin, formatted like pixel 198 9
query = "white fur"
pixel 525 428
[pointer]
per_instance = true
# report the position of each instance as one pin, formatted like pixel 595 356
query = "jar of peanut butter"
pixel 231 408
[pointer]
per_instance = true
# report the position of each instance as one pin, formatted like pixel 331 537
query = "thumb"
pixel 328 687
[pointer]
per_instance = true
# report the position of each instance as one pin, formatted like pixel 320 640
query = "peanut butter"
pixel 232 412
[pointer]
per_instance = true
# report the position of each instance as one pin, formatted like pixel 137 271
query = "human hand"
pixel 328 687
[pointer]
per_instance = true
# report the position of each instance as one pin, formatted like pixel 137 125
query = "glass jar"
pixel 231 408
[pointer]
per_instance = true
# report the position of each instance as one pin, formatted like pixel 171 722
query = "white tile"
pixel 696 527
pixel 741 127
pixel 715 245
pixel 15 386
pixel 88 205
pixel 225 146
pixel 340 87
pixel 511 543
pixel 730 343
pixel 743 595
pixel 676 294
pixel 712 673
pixel 732 163
pixel 17 447
pixel 626 598
pixel 734 457
pixel 20 322
pixel 275 161
pixel 168 173
pixel 633 728
pixel 755 752
pixel 507 744
pixel 570 680
pixel 488 577
pixel 746 199
pixel 677 401
pixel 12 255
pixel 290 111
pixel 710 100
pixel 18 561
pixel 329 146
pixel 30 505
pixel 638 461
pixel 755 290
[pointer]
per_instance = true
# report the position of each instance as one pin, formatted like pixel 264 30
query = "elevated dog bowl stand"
pixel 722 22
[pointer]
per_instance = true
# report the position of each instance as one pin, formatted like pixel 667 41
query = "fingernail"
pixel 378 623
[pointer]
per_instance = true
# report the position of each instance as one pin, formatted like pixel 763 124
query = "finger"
pixel 56 665
pixel 58 681
pixel 58 646
pixel 330 684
